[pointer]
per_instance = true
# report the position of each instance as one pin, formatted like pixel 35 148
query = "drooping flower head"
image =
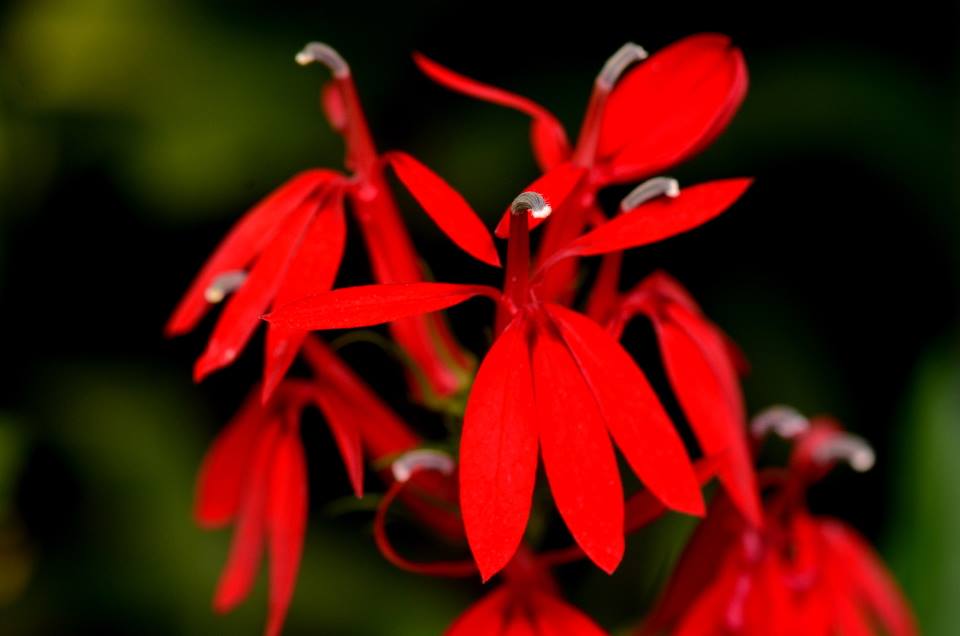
pixel 290 245
pixel 798 575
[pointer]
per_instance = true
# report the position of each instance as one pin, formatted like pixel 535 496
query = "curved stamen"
pixel 326 55
pixel 404 467
pixel 785 421
pixel 224 284
pixel 648 190
pixel 532 202
pixel 850 448
pixel 613 69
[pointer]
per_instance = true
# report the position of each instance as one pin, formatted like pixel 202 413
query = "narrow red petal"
pixel 242 314
pixel 448 209
pixel 672 105
pixel 632 412
pixel 872 582
pixel 244 241
pixel 549 139
pixel 659 219
pixel 286 524
pixel 483 618
pixel 577 453
pixel 558 618
pixel 368 305
pixel 381 430
pixel 706 401
pixel 248 537
pixel 498 451
pixel 313 270
pixel 342 417
pixel 556 186
pixel 225 467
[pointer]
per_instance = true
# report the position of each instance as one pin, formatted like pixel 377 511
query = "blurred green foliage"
pixel 926 512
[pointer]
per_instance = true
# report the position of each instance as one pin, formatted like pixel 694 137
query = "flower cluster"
pixel 555 386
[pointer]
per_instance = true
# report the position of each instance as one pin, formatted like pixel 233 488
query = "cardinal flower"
pixel 799 575
pixel 290 245
pixel 642 118
pixel 528 602
pixel 555 380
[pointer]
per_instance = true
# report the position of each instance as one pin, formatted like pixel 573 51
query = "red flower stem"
pixel 392 254
pixel 605 293
pixel 516 282
pixel 437 568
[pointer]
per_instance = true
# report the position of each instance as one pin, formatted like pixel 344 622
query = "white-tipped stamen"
pixel 326 55
pixel 532 202
pixel 404 467
pixel 626 56
pixel 224 284
pixel 850 448
pixel 649 190
pixel 785 421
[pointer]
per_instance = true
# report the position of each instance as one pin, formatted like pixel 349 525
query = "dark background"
pixel 133 132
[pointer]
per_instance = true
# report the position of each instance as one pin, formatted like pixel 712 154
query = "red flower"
pixel 526 604
pixel 639 121
pixel 554 379
pixel 799 575
pixel 291 244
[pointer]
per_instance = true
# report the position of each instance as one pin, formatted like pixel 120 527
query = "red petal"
pixel 244 241
pixel 557 618
pixel 498 451
pixel 286 524
pixel 342 417
pixel 383 433
pixel 672 105
pixel 705 399
pixel 368 305
pixel 484 618
pixel 658 219
pixel 556 186
pixel 225 467
pixel 873 583
pixel 448 209
pixel 550 143
pixel 633 414
pixel 247 547
pixel 242 314
pixel 313 270
pixel 577 453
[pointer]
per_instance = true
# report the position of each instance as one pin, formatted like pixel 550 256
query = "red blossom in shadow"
pixel 798 575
